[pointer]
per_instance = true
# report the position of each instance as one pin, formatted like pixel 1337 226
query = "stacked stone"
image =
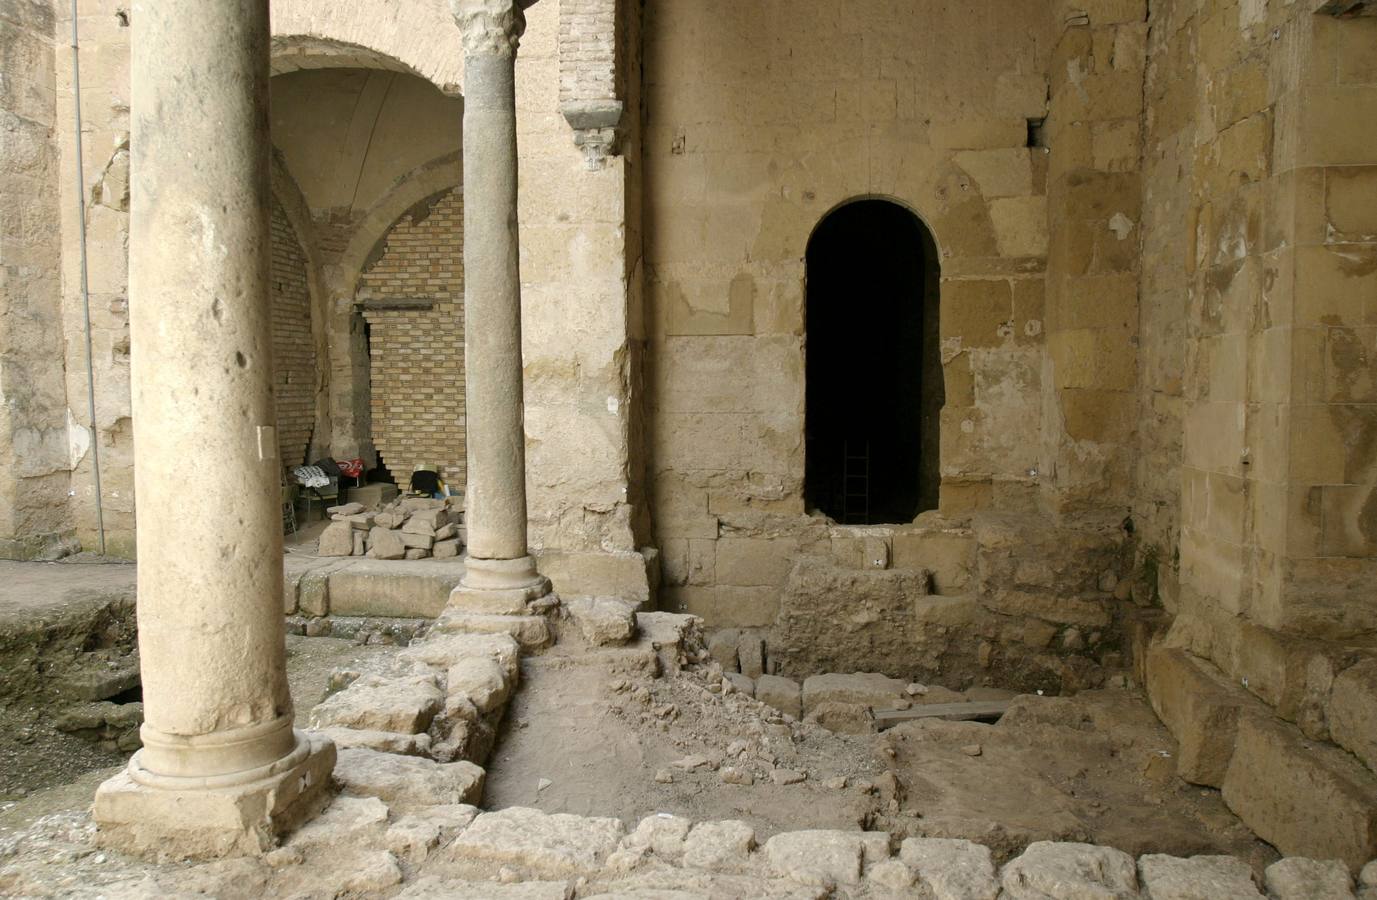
pixel 407 528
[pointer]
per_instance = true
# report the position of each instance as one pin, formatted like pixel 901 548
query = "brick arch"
pixel 415 36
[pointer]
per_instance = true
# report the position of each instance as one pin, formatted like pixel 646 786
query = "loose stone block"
pixel 719 845
pixel 1200 708
pixel 374 703
pixel 383 543
pixel 415 541
pixel 482 680
pixel 445 549
pixel 407 782
pixel 345 819
pixel 413 836
pixel 1297 878
pixel 603 621
pixel 444 650
pixel 1069 871
pixel 382 741
pixel 347 509
pixel 531 632
pixel 750 649
pixel 740 683
pixel 664 835
pixel 784 694
pixel 722 646
pixel 554 846
pixel 951 869
pixel 862 688
pixel 336 540
pixel 1197 878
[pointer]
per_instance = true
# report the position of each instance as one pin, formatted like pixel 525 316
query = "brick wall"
pixel 587 49
pixel 417 355
pixel 294 356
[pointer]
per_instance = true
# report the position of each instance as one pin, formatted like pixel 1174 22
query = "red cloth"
pixel 351 467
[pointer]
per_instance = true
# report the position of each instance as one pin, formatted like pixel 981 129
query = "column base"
pixel 189 818
pixel 499 586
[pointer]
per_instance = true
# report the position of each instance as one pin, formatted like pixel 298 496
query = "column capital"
pixel 490 27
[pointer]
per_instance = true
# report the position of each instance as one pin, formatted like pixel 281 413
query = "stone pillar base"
pixel 208 818
pixel 499 586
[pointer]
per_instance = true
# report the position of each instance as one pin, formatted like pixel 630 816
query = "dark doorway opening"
pixel 874 367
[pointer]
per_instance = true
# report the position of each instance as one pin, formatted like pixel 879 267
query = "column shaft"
pixel 206 472
pixel 495 501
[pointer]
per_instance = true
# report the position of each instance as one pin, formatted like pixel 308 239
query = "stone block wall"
pixel 34 446
pixel 417 355
pixel 294 351
pixel 759 120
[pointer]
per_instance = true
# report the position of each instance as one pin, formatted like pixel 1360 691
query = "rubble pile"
pixel 406 528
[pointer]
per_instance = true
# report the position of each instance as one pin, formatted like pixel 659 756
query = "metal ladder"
pixel 856 483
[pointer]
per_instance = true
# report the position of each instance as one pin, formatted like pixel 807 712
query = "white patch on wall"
pixel 1250 13
pixel 613 404
pixel 1121 225
pixel 78 440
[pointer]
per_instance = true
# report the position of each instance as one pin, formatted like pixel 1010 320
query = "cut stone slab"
pixel 336 540
pixel 603 621
pixel 426 521
pixel 550 845
pixel 723 845
pixel 407 782
pixel 374 870
pixel 446 549
pixel 412 837
pixel 722 645
pixel 416 541
pixel 843 718
pixel 346 509
pixel 1200 707
pixel 1353 711
pixel 862 688
pixel 1197 878
pixel 444 650
pixel 1049 870
pixel 824 858
pixel 399 588
pixel 1297 878
pixel 374 703
pixel 384 543
pixel 1303 797
pixel 740 683
pixel 750 652
pixel 951 869
pixel 664 835
pixel 784 694
pixel 481 679
pixel 445 532
pixel 531 632
pixel 382 741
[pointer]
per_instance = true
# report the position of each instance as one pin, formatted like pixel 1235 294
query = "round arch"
pixel 873 383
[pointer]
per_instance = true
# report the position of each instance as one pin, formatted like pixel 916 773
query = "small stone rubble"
pixel 406 528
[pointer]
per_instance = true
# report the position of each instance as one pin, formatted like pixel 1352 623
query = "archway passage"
pixel 874 371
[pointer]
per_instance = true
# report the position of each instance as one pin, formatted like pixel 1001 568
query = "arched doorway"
pixel 874 368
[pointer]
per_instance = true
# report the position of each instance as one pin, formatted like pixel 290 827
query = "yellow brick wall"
pixel 294 357
pixel 417 356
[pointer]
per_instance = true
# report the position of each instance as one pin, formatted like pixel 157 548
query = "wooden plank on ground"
pixel 953 712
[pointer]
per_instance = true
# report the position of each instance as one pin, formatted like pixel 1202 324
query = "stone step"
pixel 407 589
pixel 531 632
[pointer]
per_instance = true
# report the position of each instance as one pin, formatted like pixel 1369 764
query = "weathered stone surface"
pixel 382 741
pixel 481 679
pixel 1056 871
pixel 375 870
pixel 740 683
pixel 662 834
pixel 1298 878
pixel 413 836
pixel 347 509
pixel 1353 711
pixel 383 543
pixel 784 694
pixel 444 650
pixel 446 549
pixel 368 587
pixel 824 858
pixel 722 645
pixel 558 845
pixel 951 869
pixel 843 718
pixel 1303 797
pixel 434 887
pixel 336 540
pixel 415 541
pixel 374 703
pixel 345 819
pixel 406 782
pixel 750 651
pixel 603 621
pixel 426 521
pixel 1200 708
pixel 723 845
pixel 531 632
pixel 863 688
pixel 1197 878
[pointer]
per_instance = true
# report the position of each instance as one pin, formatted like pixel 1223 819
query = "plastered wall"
pixel 760 118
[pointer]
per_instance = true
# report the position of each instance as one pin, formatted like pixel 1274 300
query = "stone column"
pixel 501 574
pixel 221 770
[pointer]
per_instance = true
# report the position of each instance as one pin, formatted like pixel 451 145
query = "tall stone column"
pixel 221 770
pixel 500 575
